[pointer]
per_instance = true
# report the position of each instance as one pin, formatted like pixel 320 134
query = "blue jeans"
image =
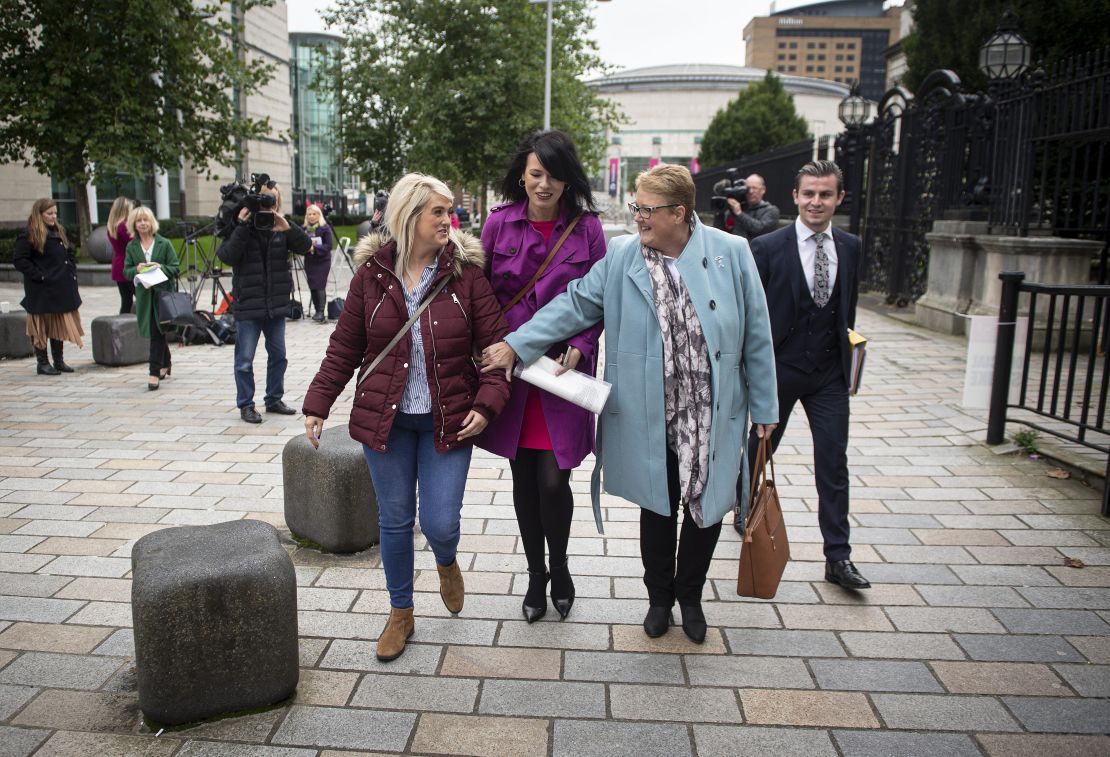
pixel 246 342
pixel 411 460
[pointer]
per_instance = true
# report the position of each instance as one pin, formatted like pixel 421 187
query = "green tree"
pixel 90 86
pixel 949 33
pixel 450 87
pixel 761 117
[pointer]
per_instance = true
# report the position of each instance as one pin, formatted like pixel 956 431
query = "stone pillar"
pixel 953 257
pixel 94 214
pixel 161 193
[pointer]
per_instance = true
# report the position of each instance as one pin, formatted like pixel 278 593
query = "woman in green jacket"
pixel 149 250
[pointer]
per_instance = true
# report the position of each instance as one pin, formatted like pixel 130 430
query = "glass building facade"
pixel 109 186
pixel 317 163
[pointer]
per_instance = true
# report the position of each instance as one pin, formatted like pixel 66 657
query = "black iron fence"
pixel 1031 156
pixel 1065 370
pixel 777 167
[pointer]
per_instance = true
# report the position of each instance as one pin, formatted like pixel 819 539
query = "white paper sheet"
pixel 151 277
pixel 573 386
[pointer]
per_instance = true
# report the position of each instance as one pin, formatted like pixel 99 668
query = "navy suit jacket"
pixel 776 257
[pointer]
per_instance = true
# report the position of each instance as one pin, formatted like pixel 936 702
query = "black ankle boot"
pixel 44 367
pixel 534 605
pixel 562 589
pixel 56 349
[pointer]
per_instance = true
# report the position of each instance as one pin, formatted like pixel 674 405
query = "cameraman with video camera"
pixel 751 216
pixel 258 242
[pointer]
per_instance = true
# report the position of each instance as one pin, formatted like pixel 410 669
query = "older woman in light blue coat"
pixel 688 352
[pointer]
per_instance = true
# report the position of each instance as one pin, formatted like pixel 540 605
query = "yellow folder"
pixel 858 344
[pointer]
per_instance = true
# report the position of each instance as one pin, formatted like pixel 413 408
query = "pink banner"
pixel 653 162
pixel 614 175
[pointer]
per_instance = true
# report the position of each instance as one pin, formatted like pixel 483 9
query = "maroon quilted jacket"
pixel 463 315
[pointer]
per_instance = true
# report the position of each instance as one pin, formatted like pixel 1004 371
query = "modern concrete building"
pixel 184 190
pixel 836 40
pixel 670 107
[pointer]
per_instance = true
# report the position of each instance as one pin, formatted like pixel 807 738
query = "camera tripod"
pixel 201 265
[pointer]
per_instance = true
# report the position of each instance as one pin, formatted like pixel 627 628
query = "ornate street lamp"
pixel 855 109
pixel 1006 55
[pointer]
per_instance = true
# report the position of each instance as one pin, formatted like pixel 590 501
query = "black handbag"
pixel 175 308
pixel 335 308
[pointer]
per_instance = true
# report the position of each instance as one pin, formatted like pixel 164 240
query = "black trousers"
pixel 159 351
pixel 824 397
pixel 666 579
pixel 126 296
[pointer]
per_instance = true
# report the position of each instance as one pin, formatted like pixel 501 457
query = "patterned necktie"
pixel 820 273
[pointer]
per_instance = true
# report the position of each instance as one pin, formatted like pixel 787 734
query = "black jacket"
pixel 759 219
pixel 49 277
pixel 262 281
pixel 780 269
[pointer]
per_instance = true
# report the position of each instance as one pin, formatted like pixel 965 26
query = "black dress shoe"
pixel 843 573
pixel 534 605
pixel 280 408
pixel 693 622
pixel 657 621
pixel 562 589
pixel 249 414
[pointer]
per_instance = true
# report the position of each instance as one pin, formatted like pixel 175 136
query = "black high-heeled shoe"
pixel 562 589
pixel 534 605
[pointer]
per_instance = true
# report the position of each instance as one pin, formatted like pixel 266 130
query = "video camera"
pixel 237 195
pixel 731 187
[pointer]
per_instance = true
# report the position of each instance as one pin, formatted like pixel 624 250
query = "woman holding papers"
pixel 317 263
pixel 48 263
pixel 688 353
pixel 417 310
pixel 545 237
pixel 151 262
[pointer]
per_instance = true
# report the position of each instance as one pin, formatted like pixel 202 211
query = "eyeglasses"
pixel 645 211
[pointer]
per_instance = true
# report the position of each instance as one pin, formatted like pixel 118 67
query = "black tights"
pixel 544 504
pixel 126 296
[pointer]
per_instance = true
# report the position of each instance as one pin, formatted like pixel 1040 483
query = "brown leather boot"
pixel 451 587
pixel 398 629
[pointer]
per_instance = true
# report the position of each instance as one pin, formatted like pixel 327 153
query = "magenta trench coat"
pixel 514 253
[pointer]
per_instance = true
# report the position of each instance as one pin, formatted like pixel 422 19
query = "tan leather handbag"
pixel 766 550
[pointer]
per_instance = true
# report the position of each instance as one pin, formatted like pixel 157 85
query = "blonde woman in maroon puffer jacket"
pixel 420 410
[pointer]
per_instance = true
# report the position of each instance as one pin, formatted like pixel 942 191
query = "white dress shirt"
pixel 807 253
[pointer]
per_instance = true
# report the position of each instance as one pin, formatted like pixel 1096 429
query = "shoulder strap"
pixel 404 330
pixel 543 267
pixel 763 458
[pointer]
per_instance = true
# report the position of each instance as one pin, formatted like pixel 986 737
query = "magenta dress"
pixel 533 427
pixel 119 246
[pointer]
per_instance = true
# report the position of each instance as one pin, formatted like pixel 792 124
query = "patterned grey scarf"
pixel 686 388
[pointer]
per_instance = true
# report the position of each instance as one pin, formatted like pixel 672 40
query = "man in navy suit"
pixel 810 272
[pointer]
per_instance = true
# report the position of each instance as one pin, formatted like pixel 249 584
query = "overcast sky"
pixel 633 33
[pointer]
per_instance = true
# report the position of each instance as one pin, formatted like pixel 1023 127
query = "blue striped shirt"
pixel 417 398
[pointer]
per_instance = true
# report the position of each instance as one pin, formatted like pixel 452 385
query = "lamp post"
pixel 1006 55
pixel 547 61
pixel 854 110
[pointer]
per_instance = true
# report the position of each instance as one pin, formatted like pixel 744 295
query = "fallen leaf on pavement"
pixel 1074 562
pixel 1058 473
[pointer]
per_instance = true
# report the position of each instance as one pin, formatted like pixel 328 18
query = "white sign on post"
pixel 982 338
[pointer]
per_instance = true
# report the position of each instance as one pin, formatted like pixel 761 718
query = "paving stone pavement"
pixel 976 638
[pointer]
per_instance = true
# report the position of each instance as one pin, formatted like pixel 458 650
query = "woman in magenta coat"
pixel 543 436
pixel 118 237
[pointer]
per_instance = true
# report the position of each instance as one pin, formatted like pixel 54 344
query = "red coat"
pixel 463 315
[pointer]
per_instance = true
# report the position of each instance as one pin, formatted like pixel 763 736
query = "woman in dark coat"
pixel 48 263
pixel 148 250
pixel 418 413
pixel 317 263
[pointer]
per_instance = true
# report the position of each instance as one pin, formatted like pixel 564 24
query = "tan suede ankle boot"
pixel 398 629
pixel 451 586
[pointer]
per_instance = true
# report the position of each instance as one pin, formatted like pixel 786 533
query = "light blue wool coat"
pixel 718 271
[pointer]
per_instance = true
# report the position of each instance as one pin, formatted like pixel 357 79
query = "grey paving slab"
pixel 1051 715
pixel 1087 680
pixel 554 635
pixel 344 654
pixel 784 643
pixel 944 619
pixel 663 703
pixel 59 671
pixel 895 744
pixel 1075 622
pixel 119 644
pixel 225 749
pixel 573 738
pixel 908 573
pixel 1004 648
pixel 38 609
pixel 12 699
pixel 727 741
pixel 866 675
pixel 622 667
pixel 17 742
pixel 1004 575
pixel 31 585
pixel 558 699
pixel 908 646
pixel 943 713
pixel 346 728
pixel 1067 598
pixel 972 596
pixel 430 694
pixel 748 672
pixel 84 565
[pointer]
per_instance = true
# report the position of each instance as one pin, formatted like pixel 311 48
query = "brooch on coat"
pixel 720 261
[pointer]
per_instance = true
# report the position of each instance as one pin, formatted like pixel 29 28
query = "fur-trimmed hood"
pixel 465 249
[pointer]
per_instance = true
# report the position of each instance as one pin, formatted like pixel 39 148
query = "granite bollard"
pixel 116 340
pixel 14 342
pixel 329 497
pixel 215 616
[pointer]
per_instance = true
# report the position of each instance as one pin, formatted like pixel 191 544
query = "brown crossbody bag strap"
pixel 543 267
